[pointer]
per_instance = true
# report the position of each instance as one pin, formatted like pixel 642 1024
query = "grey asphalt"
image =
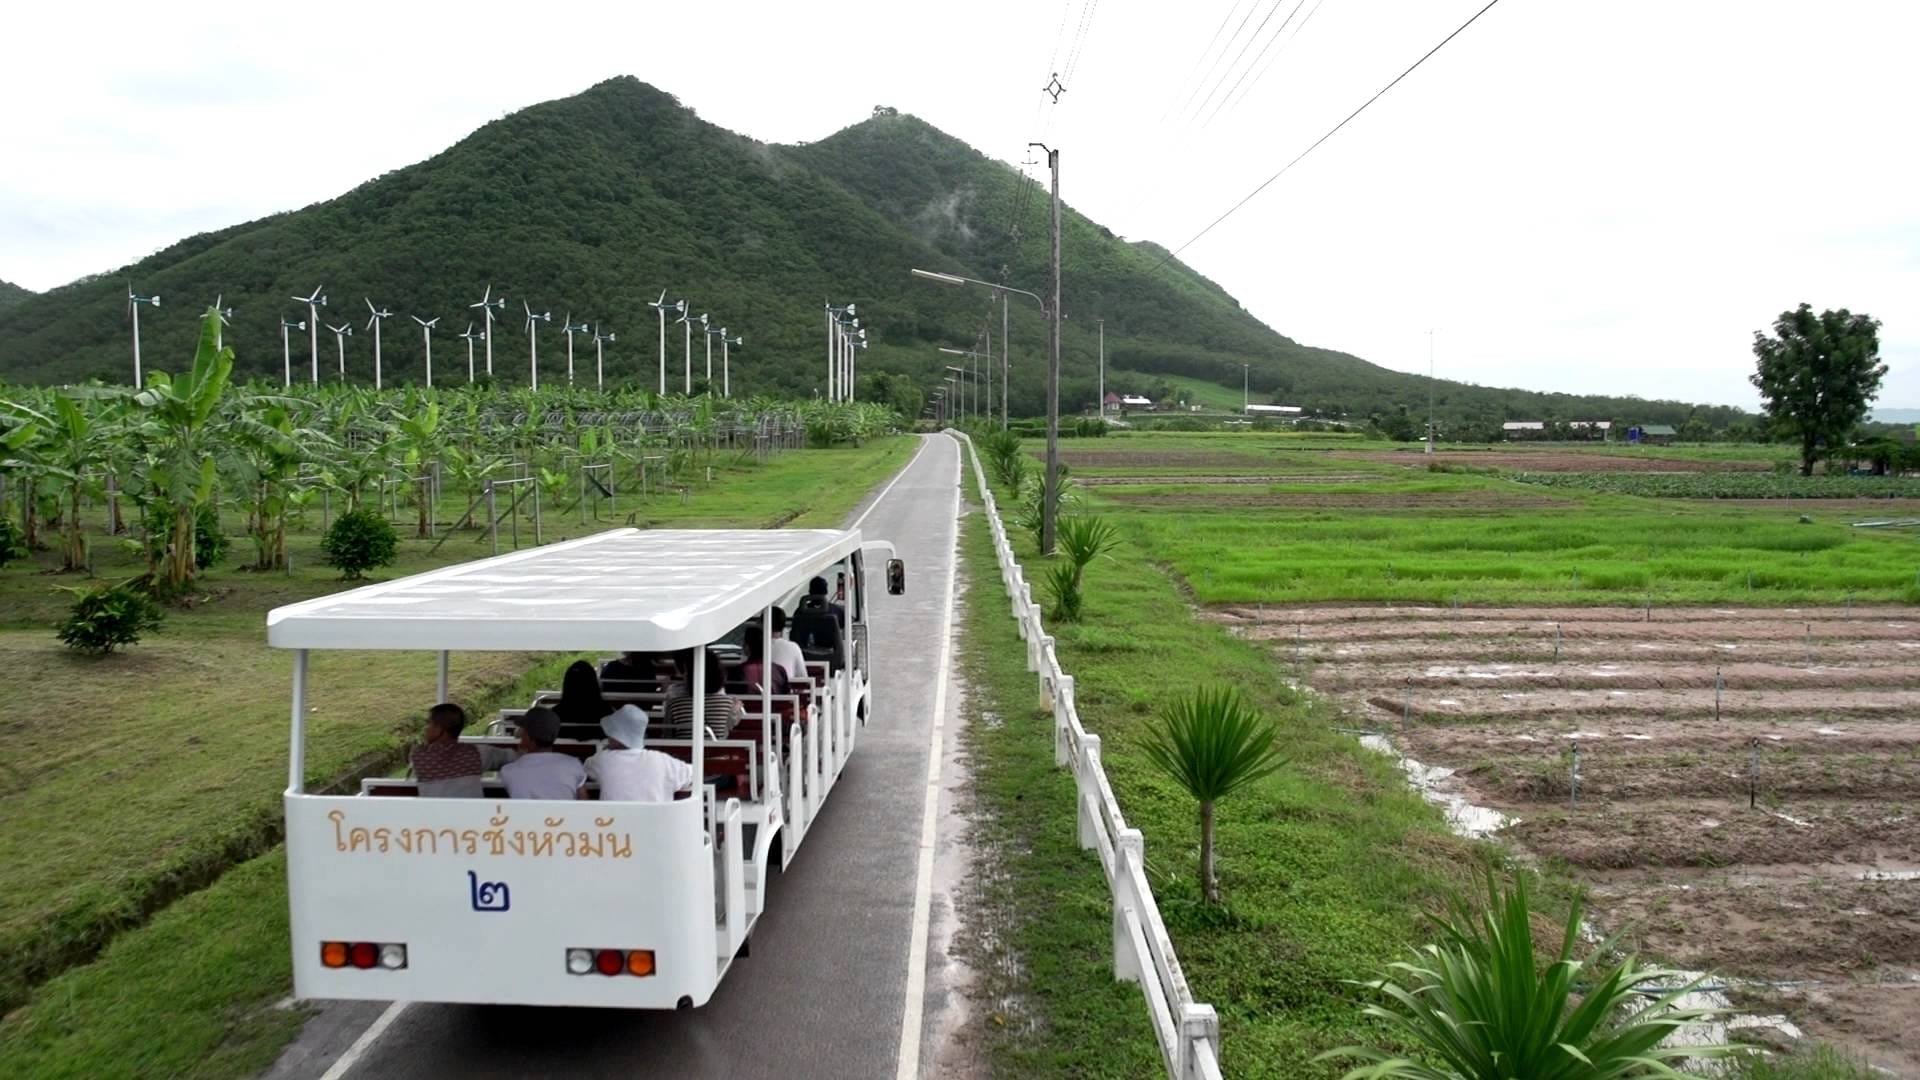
pixel 824 991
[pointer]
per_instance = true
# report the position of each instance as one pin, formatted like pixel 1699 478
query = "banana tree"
pixel 269 450
pixel 74 446
pixel 421 444
pixel 17 465
pixel 175 423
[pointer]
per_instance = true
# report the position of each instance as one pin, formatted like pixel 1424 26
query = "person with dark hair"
pixel 444 766
pixel 676 713
pixel 785 653
pixel 629 667
pixel 581 703
pixel 756 669
pixel 816 627
pixel 540 772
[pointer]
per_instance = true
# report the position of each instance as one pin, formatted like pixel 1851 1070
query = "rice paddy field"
pixel 1702 708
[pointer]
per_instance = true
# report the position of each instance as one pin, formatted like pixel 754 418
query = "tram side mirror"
pixel 896 577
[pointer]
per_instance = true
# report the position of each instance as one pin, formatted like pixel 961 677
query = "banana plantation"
pixel 164 466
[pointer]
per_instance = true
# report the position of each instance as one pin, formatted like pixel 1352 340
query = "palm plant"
pixel 1062 582
pixel 1475 1005
pixel 1212 743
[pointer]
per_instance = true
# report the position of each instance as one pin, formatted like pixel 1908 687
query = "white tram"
pixel 395 897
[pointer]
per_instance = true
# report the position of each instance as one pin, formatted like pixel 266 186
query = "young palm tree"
pixel 1476 1006
pixel 1213 743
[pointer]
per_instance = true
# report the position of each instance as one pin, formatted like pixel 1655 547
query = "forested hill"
pixel 11 294
pixel 590 205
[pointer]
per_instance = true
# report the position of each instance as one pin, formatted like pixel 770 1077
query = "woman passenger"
pixel 581 703
pixel 677 711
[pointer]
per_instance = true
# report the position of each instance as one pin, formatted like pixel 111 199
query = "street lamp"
pixel 960 375
pixel 1051 494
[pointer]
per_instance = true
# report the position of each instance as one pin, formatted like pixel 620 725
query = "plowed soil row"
pixel 1214 479
pixel 1549 461
pixel 1663 828
pixel 1383 502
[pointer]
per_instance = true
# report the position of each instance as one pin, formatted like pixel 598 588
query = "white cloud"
pixel 1598 197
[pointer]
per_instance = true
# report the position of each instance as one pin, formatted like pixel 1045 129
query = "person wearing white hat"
pixel 628 772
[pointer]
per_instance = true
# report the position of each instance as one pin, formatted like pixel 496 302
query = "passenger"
pixel 677 711
pixel 444 766
pixel 540 772
pixel 628 772
pixel 816 627
pixel 581 703
pixel 753 672
pixel 630 667
pixel 785 653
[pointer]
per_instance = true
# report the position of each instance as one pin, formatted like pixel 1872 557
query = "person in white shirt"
pixel 787 655
pixel 540 772
pixel 628 772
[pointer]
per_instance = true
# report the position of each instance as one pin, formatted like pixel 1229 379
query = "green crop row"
pixel 1730 485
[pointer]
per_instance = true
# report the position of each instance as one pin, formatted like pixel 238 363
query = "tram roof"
pixel 648 590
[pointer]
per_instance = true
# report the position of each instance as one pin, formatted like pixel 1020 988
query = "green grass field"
pixel 137 778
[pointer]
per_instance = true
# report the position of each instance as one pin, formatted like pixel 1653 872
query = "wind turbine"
pixel 599 357
pixel 726 378
pixel 314 303
pixel 340 335
pixel 225 315
pixel 286 351
pixel 689 350
pixel 486 307
pixel 426 331
pixel 373 324
pixel 568 326
pixel 661 305
pixel 469 336
pixel 712 332
pixel 533 344
pixel 133 308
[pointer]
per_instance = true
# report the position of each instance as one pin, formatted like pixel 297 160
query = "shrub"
pixel 358 541
pixel 1063 585
pixel 13 545
pixel 108 617
pixel 1477 1004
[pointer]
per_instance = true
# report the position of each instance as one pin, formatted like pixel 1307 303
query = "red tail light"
pixel 610 961
pixel 364 955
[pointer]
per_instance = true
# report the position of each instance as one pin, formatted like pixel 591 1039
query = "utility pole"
pixel 1429 391
pixel 1100 398
pixel 1006 357
pixel 1246 399
pixel 989 363
pixel 1050 496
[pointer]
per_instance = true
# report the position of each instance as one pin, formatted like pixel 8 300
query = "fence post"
pixel 1129 851
pixel 493 520
pixel 1086 791
pixel 1048 665
pixel 1196 1022
pixel 1062 709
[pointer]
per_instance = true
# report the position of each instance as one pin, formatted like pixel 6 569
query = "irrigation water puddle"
pixel 1465 818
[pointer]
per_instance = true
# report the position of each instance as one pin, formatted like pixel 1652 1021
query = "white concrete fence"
pixel 1188 1032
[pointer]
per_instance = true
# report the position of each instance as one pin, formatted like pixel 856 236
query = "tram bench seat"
pixel 396 788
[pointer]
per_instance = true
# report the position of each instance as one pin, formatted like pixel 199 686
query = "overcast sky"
pixel 1579 195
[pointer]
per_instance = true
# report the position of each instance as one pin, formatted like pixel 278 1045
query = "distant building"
pixel 1524 429
pixel 1274 410
pixel 1651 434
pixel 1589 429
pixel 1135 401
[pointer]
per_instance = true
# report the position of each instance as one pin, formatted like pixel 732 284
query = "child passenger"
pixel 627 771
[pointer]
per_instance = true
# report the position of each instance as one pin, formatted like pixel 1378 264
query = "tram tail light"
pixel 365 955
pixel 582 961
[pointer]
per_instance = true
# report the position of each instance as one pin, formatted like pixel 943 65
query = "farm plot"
pixel 1737 787
pixel 1557 459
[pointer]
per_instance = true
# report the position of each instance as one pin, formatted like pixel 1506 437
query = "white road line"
pixel 896 479
pixel 910 1020
pixel 345 1063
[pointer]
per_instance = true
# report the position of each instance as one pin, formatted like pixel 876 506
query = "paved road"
pixel 825 991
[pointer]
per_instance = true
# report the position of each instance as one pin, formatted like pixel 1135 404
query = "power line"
pixel 1259 56
pixel 1080 43
pixel 1223 53
pixel 1202 58
pixel 1276 56
pixel 1171 255
pixel 1236 59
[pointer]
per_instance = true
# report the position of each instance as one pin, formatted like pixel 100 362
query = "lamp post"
pixel 1246 399
pixel 133 307
pixel 487 303
pixel 340 335
pixel 661 306
pixel 1047 507
pixel 373 323
pixel 314 303
pixel 600 357
pixel 1101 393
pixel 974 374
pixel 966 409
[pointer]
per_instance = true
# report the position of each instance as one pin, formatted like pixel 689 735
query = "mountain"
pixel 11 294
pixel 591 204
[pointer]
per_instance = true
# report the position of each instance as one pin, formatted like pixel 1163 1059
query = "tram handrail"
pixel 1188 1032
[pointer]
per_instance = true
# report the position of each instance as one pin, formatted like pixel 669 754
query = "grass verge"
pixel 1325 866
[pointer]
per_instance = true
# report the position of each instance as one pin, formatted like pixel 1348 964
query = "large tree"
pixel 1817 374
